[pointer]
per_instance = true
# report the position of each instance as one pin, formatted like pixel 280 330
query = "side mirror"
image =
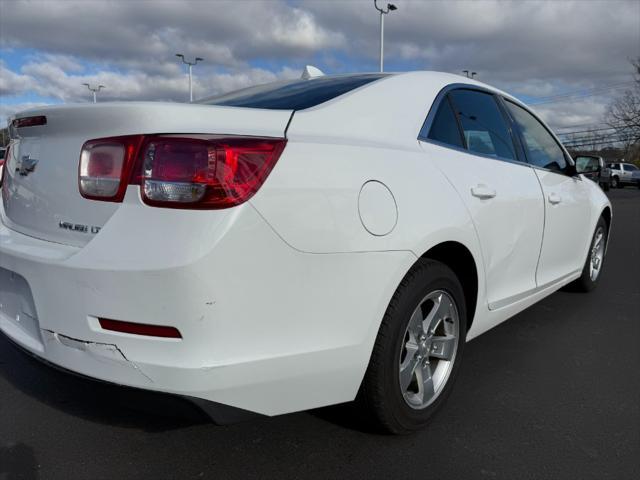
pixel 588 165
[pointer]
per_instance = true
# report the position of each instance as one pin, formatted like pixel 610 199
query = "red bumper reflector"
pixel 139 328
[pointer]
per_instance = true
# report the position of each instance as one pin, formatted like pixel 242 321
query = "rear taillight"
pixel 105 167
pixel 207 173
pixel 178 171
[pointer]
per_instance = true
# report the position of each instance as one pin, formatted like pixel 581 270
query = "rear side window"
pixel 445 126
pixel 542 149
pixel 294 94
pixel 484 126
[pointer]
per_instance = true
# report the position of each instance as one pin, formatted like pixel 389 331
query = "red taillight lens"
pixel 139 328
pixel 178 171
pixel 105 167
pixel 205 173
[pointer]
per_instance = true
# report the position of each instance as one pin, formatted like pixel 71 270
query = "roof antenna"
pixel 310 72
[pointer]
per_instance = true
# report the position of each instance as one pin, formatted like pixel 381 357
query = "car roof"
pixel 390 111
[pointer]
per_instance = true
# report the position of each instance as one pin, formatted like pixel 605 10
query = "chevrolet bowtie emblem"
pixel 26 165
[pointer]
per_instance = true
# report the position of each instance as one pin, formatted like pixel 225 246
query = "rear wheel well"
pixel 459 259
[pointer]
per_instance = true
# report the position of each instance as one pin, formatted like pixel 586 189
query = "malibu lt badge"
pixel 78 227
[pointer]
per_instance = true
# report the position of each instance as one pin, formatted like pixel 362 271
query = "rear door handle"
pixel 554 198
pixel 483 192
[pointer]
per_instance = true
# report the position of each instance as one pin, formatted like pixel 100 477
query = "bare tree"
pixel 624 116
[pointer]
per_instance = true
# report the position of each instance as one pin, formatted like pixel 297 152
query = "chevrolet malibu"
pixel 291 245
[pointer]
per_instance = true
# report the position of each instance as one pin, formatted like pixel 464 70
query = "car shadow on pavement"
pixel 18 461
pixel 95 401
pixel 346 415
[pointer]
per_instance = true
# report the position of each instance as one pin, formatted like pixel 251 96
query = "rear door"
pixel 470 140
pixel 567 207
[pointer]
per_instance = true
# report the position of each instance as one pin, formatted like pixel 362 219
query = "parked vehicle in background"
pixel 623 174
pixel 291 245
pixel 598 171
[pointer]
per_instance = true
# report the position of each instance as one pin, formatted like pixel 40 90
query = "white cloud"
pixel 226 33
pixel 300 30
pixel 49 80
pixel 12 83
pixel 569 114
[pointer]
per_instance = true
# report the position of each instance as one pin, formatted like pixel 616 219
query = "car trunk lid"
pixel 40 188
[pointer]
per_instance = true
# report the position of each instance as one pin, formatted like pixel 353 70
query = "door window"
pixel 542 149
pixel 485 129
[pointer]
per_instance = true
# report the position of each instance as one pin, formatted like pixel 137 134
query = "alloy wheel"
pixel 429 349
pixel 597 254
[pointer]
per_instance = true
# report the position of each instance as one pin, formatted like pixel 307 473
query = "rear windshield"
pixel 294 94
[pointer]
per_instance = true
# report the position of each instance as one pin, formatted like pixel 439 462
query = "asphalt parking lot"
pixel 552 393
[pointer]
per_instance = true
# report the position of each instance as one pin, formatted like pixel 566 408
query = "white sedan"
pixel 291 245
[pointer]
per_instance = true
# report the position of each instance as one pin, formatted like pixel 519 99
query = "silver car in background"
pixel 623 174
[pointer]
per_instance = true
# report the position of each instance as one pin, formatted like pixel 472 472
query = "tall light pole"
pixel 190 64
pixel 390 8
pixel 94 90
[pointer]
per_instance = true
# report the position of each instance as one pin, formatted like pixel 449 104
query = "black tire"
pixel 585 283
pixel 615 182
pixel 380 395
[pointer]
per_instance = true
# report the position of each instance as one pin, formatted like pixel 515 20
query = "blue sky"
pixel 534 50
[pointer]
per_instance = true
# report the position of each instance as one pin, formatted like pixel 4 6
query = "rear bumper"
pixel 220 414
pixel 265 328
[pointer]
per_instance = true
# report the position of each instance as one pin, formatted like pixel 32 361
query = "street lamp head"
pixel 85 84
pixel 390 7
pixel 180 55
pixel 199 59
